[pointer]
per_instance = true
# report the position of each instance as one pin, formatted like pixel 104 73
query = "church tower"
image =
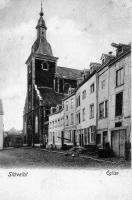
pixel 41 67
pixel 47 85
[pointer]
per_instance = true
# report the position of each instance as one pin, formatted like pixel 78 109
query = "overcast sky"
pixel 79 31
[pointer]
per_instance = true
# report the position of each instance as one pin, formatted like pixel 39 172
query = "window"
pixel 78 101
pixel 72 103
pixel 67 120
pixel 119 104
pixel 118 124
pixel 106 109
pixel 103 60
pixel 72 118
pixel 36 124
pixel 29 105
pixel 50 125
pixel 78 118
pixel 92 88
pixel 58 122
pixel 91 130
pixel 103 109
pixel 66 105
pixel 83 114
pixel 91 111
pixel 53 125
pixel 29 88
pixel 70 135
pixel 119 77
pixel 120 50
pixel 84 94
pixel 103 84
pixel 44 66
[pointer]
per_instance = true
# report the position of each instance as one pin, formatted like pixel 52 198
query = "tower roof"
pixel 41 46
pixel 41 22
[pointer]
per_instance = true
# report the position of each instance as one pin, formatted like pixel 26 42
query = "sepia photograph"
pixel 65 90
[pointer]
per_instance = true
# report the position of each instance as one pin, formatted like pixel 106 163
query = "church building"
pixel 47 85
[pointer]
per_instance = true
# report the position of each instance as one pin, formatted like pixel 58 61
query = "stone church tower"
pixel 47 85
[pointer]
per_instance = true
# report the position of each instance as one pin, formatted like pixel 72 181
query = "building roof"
pixel 50 97
pixel 1 107
pixel 68 73
pixel 121 55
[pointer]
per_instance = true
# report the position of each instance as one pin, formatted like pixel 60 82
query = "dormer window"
pixel 103 61
pixel 120 50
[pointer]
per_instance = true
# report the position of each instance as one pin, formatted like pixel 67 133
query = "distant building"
pixel 56 128
pixel 1 125
pixel 70 119
pixel 47 85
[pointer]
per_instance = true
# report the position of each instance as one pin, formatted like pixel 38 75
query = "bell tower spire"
pixel 41 12
pixel 41 26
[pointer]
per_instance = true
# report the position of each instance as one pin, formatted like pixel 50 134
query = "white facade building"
pixel 103 101
pixel 69 120
pixel 86 102
pixel 120 101
pixel 56 127
pixel 1 126
pixel 114 102
pixel 98 112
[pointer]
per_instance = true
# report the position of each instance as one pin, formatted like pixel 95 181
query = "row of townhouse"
pixel 98 112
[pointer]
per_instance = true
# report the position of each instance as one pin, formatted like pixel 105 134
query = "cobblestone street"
pixel 33 158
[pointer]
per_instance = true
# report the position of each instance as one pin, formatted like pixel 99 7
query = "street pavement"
pixel 38 158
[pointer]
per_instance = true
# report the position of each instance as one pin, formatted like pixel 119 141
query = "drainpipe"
pixel 97 87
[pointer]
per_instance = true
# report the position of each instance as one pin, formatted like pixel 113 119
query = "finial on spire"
pixel 41 12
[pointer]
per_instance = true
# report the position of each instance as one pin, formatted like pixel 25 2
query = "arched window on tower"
pixel 36 124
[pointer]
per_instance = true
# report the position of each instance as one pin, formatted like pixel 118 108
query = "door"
pixel 115 142
pixel 104 139
pixel 53 139
pixel 62 138
pixel 122 142
pixel 74 138
pixel 80 139
pixel 118 139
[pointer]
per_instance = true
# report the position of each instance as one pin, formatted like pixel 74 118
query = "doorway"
pixel 118 139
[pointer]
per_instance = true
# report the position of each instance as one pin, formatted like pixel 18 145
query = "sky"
pixel 79 31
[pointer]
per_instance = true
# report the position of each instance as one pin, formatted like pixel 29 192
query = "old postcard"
pixel 65 99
